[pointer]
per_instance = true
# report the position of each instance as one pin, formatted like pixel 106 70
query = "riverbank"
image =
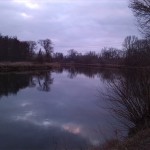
pixel 140 141
pixel 117 66
pixel 29 66
pixel 24 66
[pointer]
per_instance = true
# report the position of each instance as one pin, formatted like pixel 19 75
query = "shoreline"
pixel 29 66
pixel 23 66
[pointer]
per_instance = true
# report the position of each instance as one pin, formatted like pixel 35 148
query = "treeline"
pixel 135 52
pixel 107 55
pixel 11 49
pixel 14 50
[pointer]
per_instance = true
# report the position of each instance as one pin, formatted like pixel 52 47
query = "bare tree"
pixel 130 100
pixel 47 45
pixel 137 51
pixel 141 9
pixel 32 48
pixel 129 42
pixel 39 58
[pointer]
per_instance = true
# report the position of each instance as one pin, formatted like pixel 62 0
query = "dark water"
pixel 59 109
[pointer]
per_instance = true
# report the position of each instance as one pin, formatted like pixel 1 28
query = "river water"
pixel 57 109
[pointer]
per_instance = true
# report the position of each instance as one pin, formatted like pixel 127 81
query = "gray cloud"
pixel 81 24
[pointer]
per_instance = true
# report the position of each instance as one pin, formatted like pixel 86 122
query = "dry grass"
pixel 26 66
pixel 141 141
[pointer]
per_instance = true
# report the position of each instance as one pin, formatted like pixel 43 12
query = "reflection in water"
pixel 30 119
pixel 105 74
pixel 65 115
pixel 13 82
pixel 27 136
pixel 44 81
pixel 130 99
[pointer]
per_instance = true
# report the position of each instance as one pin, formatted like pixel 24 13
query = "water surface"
pixel 56 109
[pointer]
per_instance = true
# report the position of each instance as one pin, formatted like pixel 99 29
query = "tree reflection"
pixel 11 83
pixel 72 72
pixel 91 72
pixel 130 99
pixel 44 81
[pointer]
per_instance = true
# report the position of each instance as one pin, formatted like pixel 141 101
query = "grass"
pixel 29 66
pixel 25 66
pixel 140 141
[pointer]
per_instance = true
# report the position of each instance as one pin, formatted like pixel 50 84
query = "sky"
pixel 83 25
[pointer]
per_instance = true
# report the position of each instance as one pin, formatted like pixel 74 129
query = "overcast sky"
pixel 79 24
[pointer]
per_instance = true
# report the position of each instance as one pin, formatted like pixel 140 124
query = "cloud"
pixel 26 16
pixel 81 24
pixel 28 3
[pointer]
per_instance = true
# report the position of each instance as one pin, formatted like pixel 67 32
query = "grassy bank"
pixel 117 66
pixel 29 66
pixel 140 141
pixel 25 66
